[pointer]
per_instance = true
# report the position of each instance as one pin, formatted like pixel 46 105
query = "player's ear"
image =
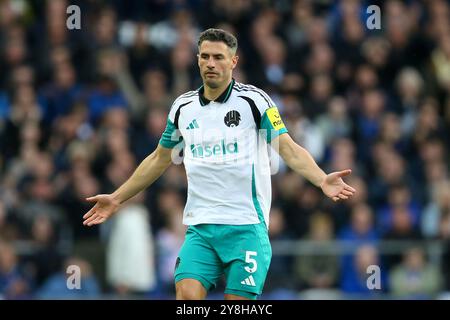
pixel 234 61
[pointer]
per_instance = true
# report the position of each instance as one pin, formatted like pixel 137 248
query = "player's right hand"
pixel 104 208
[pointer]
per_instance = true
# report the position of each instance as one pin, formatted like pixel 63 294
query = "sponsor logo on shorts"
pixel 249 281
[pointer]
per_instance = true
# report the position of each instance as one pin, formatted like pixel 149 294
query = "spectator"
pixel 130 254
pixel 56 287
pixel 169 240
pixel 336 122
pixel 354 284
pixel 402 229
pixel 444 236
pixel 47 259
pixel 280 280
pixel 415 278
pixel 14 283
pixel 435 210
pixel 318 270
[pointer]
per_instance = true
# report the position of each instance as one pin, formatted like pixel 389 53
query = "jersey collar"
pixel 221 99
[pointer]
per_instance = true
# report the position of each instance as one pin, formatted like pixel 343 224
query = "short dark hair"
pixel 219 35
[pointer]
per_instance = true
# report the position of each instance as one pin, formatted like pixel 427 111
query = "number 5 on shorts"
pixel 249 259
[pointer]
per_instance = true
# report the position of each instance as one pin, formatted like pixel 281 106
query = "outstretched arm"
pixel 150 169
pixel 301 161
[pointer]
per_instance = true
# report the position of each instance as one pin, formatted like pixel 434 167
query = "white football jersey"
pixel 225 145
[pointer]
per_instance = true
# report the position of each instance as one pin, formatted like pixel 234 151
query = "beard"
pixel 213 84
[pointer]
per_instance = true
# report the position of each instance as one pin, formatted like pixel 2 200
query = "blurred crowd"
pixel 79 109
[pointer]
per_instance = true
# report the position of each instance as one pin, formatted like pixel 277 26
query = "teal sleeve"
pixel 272 124
pixel 171 136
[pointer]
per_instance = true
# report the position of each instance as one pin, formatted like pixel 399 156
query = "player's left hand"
pixel 334 187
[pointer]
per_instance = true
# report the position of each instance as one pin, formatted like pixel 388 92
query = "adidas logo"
pixel 193 125
pixel 249 281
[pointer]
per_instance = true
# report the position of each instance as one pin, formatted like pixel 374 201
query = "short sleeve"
pixel 272 124
pixel 171 135
pixel 264 111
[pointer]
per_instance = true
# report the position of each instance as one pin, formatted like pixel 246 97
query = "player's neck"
pixel 213 93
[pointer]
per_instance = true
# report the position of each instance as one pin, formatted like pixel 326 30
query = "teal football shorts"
pixel 240 252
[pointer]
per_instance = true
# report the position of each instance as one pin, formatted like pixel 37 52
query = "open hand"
pixel 334 187
pixel 104 208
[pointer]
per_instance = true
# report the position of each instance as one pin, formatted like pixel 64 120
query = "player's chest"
pixel 215 121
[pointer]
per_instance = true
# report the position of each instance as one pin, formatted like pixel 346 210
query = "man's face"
pixel 216 62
